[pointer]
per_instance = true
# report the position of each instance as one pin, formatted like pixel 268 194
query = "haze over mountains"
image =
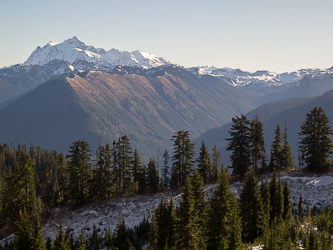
pixel 76 91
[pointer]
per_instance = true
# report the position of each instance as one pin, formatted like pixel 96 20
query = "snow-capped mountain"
pixel 74 51
pixel 261 81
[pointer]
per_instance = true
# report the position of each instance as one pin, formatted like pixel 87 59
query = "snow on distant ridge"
pixel 261 78
pixel 73 50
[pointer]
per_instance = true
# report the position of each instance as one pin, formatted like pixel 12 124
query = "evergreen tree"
pixel 61 242
pixel 287 210
pixel 257 142
pixel 124 163
pixel 276 150
pixel 214 172
pixel 222 210
pixel 121 236
pixel 266 207
pixel 200 204
pixel 184 152
pixel 251 207
pixel 155 241
pixel 142 182
pixel 287 156
pixel 136 167
pixel 204 166
pixel 300 208
pixel 165 170
pixel 152 176
pixel 82 245
pixel 38 242
pixel 79 170
pixel 23 234
pixel 47 188
pixel 239 144
pixel 316 144
pixel 62 179
pixel 188 231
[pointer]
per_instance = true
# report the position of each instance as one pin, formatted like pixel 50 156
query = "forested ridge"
pixel 33 179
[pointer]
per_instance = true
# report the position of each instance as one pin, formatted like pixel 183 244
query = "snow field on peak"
pixel 73 50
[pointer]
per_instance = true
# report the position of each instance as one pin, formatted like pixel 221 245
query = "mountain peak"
pixel 75 42
pixel 73 50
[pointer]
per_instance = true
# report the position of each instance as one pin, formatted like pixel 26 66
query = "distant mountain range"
pixel 71 90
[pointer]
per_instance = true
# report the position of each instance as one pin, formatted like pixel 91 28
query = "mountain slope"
pixel 100 107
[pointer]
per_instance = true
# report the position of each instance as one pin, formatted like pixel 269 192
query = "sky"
pixel 279 36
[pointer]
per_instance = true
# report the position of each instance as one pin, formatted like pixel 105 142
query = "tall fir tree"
pixel 223 209
pixel 79 171
pixel 136 166
pixel 287 210
pixel 239 145
pixel 61 241
pixel 316 144
pixel 62 192
pixel 204 163
pixel 38 242
pixel 183 157
pixel 124 163
pixel 188 234
pixel 120 237
pixel 153 177
pixel 257 142
pixel 214 171
pixel 23 233
pixel 275 162
pixel 251 207
pixel 165 170
pixel 287 155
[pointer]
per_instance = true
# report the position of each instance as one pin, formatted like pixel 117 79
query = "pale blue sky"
pixel 252 35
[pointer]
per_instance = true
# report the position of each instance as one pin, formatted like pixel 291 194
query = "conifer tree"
pixel 61 241
pixel 220 213
pixel 165 170
pixel 287 210
pixel 136 166
pixel 155 242
pixel 188 234
pixel 266 207
pixel 124 163
pixel 38 242
pixel 300 208
pixel 251 207
pixel 153 176
pixel 47 188
pixel 214 172
pixel 62 179
pixel 280 201
pixel 183 157
pixel 23 234
pixel 239 144
pixel 257 142
pixel 142 182
pixel 120 238
pixel 200 204
pixel 82 245
pixel 204 164
pixel 316 144
pixel 79 170
pixel 287 156
pixel 276 150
